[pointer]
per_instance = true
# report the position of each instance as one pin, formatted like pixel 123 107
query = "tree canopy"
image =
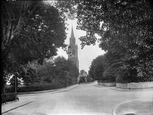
pixel 32 30
pixel 97 68
pixel 125 27
pixel 61 72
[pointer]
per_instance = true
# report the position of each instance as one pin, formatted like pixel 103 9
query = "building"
pixel 82 75
pixel 73 50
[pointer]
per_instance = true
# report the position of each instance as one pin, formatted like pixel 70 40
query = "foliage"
pixel 67 71
pixel 34 87
pixel 112 67
pixel 47 72
pixel 67 8
pixel 9 97
pixel 30 76
pixel 32 30
pixel 45 31
pixel 12 81
pixel 97 68
pixel 125 28
pixel 60 72
pixel 37 87
pixel 26 75
pixel 40 35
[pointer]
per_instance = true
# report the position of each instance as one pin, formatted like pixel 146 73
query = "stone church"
pixel 73 56
pixel 73 50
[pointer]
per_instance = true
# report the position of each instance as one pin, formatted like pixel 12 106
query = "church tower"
pixel 73 50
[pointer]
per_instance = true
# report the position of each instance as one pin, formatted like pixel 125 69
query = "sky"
pixel 85 55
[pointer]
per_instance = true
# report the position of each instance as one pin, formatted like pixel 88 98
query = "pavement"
pixel 135 106
pixel 20 103
pixel 83 99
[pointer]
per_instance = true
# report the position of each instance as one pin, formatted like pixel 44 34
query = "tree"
pixel 30 76
pixel 41 35
pixel 32 30
pixel 47 72
pixel 125 28
pixel 97 68
pixel 68 72
pixel 60 72
pixel 14 17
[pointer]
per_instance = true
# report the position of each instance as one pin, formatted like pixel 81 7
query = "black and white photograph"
pixel 77 57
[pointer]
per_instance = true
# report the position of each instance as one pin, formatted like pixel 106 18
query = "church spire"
pixel 73 50
pixel 72 38
pixel 72 33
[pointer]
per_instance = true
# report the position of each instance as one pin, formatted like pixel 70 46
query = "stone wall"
pixel 107 84
pixel 135 85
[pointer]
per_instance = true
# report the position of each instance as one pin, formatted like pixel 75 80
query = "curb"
pixel 120 104
pixel 114 110
pixel 101 86
pixel 17 107
pixel 122 89
pixel 118 89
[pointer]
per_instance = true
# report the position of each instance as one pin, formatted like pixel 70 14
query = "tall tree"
pixel 60 72
pixel 32 30
pixel 97 68
pixel 125 28
pixel 68 72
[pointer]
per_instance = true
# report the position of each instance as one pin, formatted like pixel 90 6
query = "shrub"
pixel 33 87
pixel 9 97
pixel 9 90
pixel 122 79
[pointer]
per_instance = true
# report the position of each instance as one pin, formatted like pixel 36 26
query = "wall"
pixel 107 84
pixel 135 85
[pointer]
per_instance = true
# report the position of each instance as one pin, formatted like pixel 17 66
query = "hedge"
pixel 31 88
pixel 36 88
pixel 9 97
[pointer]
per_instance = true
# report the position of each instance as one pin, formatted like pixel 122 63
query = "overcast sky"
pixel 85 55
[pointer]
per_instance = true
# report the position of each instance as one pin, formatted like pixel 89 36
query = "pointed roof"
pixel 72 38
pixel 72 33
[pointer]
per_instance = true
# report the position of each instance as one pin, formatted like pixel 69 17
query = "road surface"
pixel 84 99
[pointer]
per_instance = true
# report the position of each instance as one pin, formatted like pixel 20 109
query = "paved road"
pixel 84 99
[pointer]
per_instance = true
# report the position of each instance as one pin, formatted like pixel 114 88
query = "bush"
pixel 122 79
pixel 9 90
pixel 37 88
pixel 33 87
pixel 110 79
pixel 9 97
